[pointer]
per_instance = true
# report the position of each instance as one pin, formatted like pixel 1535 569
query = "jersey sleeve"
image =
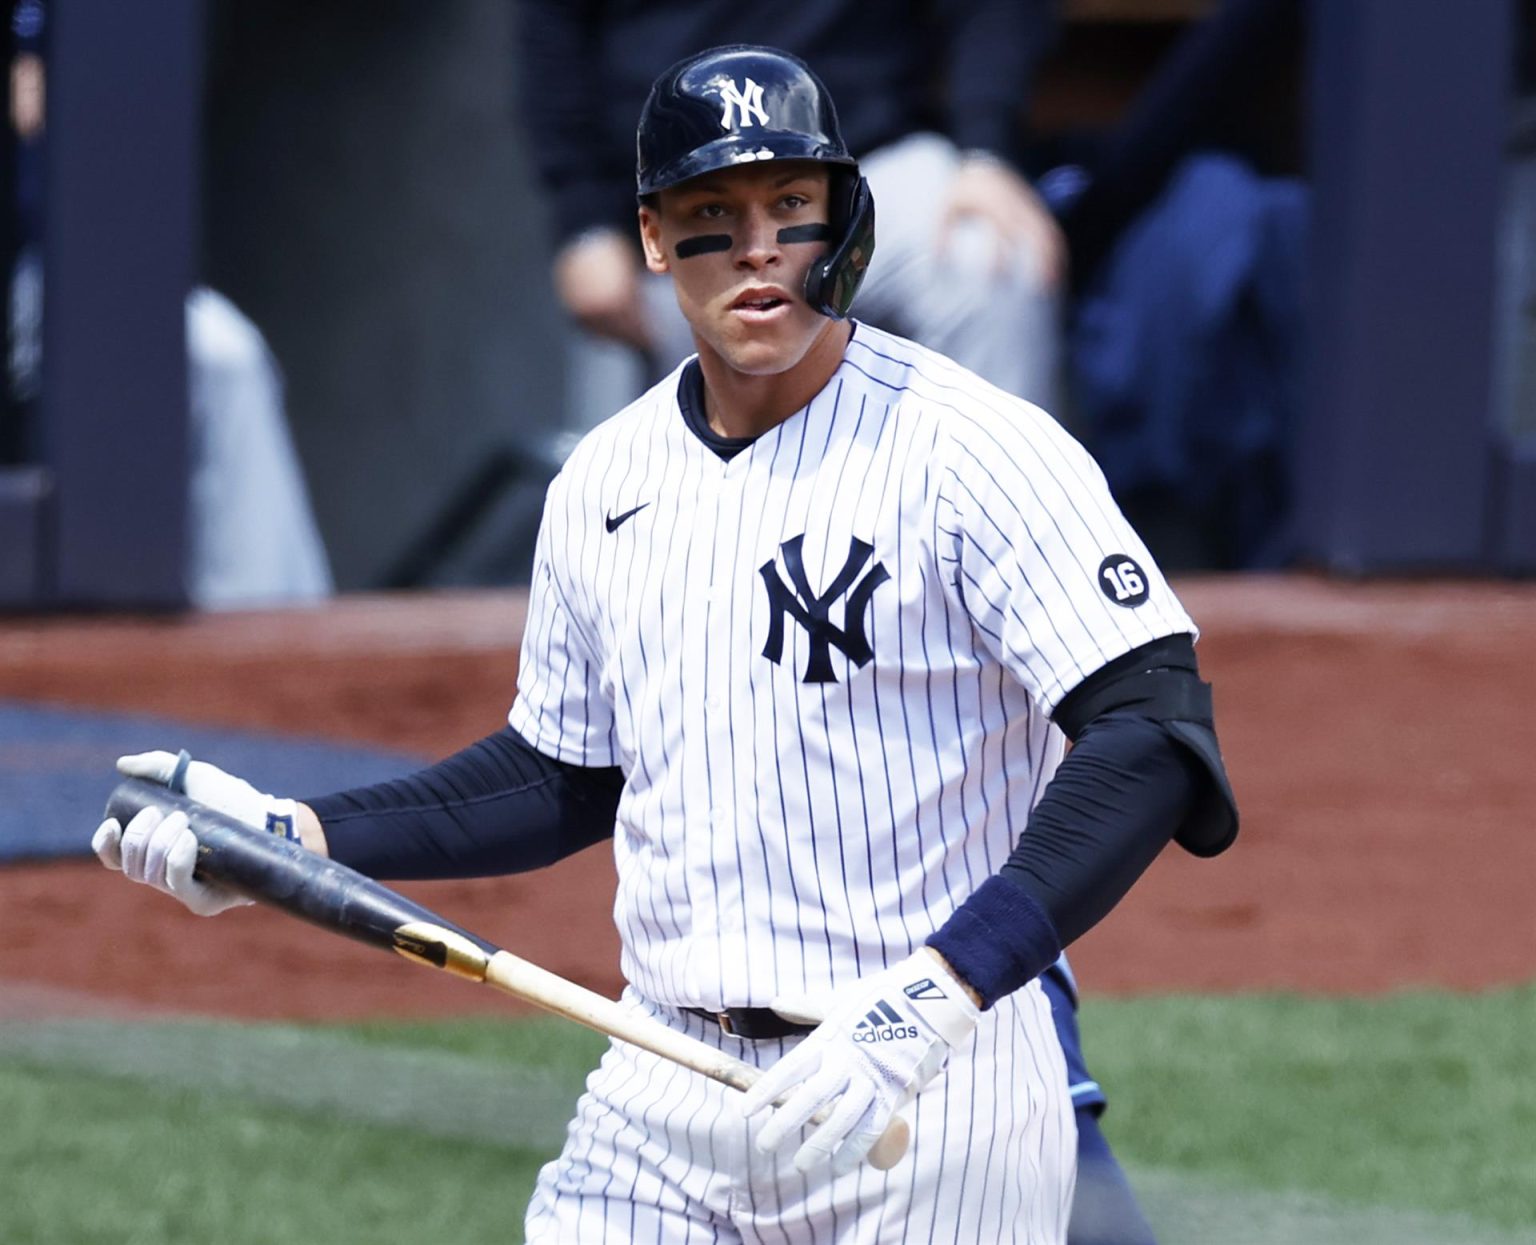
pixel 560 707
pixel 1053 578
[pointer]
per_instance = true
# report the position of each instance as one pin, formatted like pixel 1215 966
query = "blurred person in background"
pixel 253 540
pixel 24 230
pixel 931 99
pixel 1187 225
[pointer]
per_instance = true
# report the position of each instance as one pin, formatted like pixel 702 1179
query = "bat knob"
pixel 891 1145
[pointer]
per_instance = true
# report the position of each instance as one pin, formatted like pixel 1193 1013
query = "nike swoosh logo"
pixel 614 522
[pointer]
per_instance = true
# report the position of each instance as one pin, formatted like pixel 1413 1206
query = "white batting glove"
pixel 208 784
pixel 864 1062
pixel 160 850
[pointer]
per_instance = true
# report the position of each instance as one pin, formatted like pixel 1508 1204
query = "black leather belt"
pixel 753 1023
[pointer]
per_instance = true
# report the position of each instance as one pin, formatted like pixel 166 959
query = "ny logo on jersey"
pixel 811 611
pixel 742 103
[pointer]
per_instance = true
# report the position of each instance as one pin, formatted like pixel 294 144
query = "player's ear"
pixel 650 239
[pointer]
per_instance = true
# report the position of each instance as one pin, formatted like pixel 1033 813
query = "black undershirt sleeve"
pixel 498 806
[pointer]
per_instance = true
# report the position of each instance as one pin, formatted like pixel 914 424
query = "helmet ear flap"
pixel 834 279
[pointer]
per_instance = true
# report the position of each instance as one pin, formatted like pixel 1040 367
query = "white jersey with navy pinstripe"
pixel 826 665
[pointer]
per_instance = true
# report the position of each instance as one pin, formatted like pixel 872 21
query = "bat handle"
pixel 554 993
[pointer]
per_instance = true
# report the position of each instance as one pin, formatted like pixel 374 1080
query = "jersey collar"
pixel 690 401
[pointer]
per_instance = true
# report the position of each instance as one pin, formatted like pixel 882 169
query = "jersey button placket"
pixel 704 653
pixel 720 669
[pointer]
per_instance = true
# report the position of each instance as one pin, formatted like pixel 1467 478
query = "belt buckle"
pixel 724 1021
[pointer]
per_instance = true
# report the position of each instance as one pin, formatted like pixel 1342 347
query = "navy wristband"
pixel 998 940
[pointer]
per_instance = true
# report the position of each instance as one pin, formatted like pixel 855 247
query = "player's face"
pixel 740 279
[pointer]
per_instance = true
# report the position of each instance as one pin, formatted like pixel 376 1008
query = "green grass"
pixel 383 1133
pixel 88 1160
pixel 1422 1100
pixel 292 1135
pixel 558 1048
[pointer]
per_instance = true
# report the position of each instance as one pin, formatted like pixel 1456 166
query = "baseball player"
pixel 810 626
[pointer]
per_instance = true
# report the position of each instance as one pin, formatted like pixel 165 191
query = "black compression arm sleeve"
pixel 499 806
pixel 1111 807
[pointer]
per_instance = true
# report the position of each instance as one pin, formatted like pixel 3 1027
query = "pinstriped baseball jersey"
pixel 825 664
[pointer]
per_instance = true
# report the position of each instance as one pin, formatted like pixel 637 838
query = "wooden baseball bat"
pixel 326 893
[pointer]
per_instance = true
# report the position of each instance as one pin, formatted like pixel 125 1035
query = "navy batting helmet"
pixel 741 103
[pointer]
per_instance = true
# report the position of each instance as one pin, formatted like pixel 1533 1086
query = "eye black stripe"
pixel 805 233
pixel 704 245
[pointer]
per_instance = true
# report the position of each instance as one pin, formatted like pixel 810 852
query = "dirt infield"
pixel 1380 738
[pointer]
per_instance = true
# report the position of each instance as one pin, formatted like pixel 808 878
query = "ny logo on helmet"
pixel 742 103
pixel 811 611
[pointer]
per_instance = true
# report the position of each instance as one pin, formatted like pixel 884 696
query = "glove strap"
pixel 929 983
pixel 177 782
pixel 283 821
